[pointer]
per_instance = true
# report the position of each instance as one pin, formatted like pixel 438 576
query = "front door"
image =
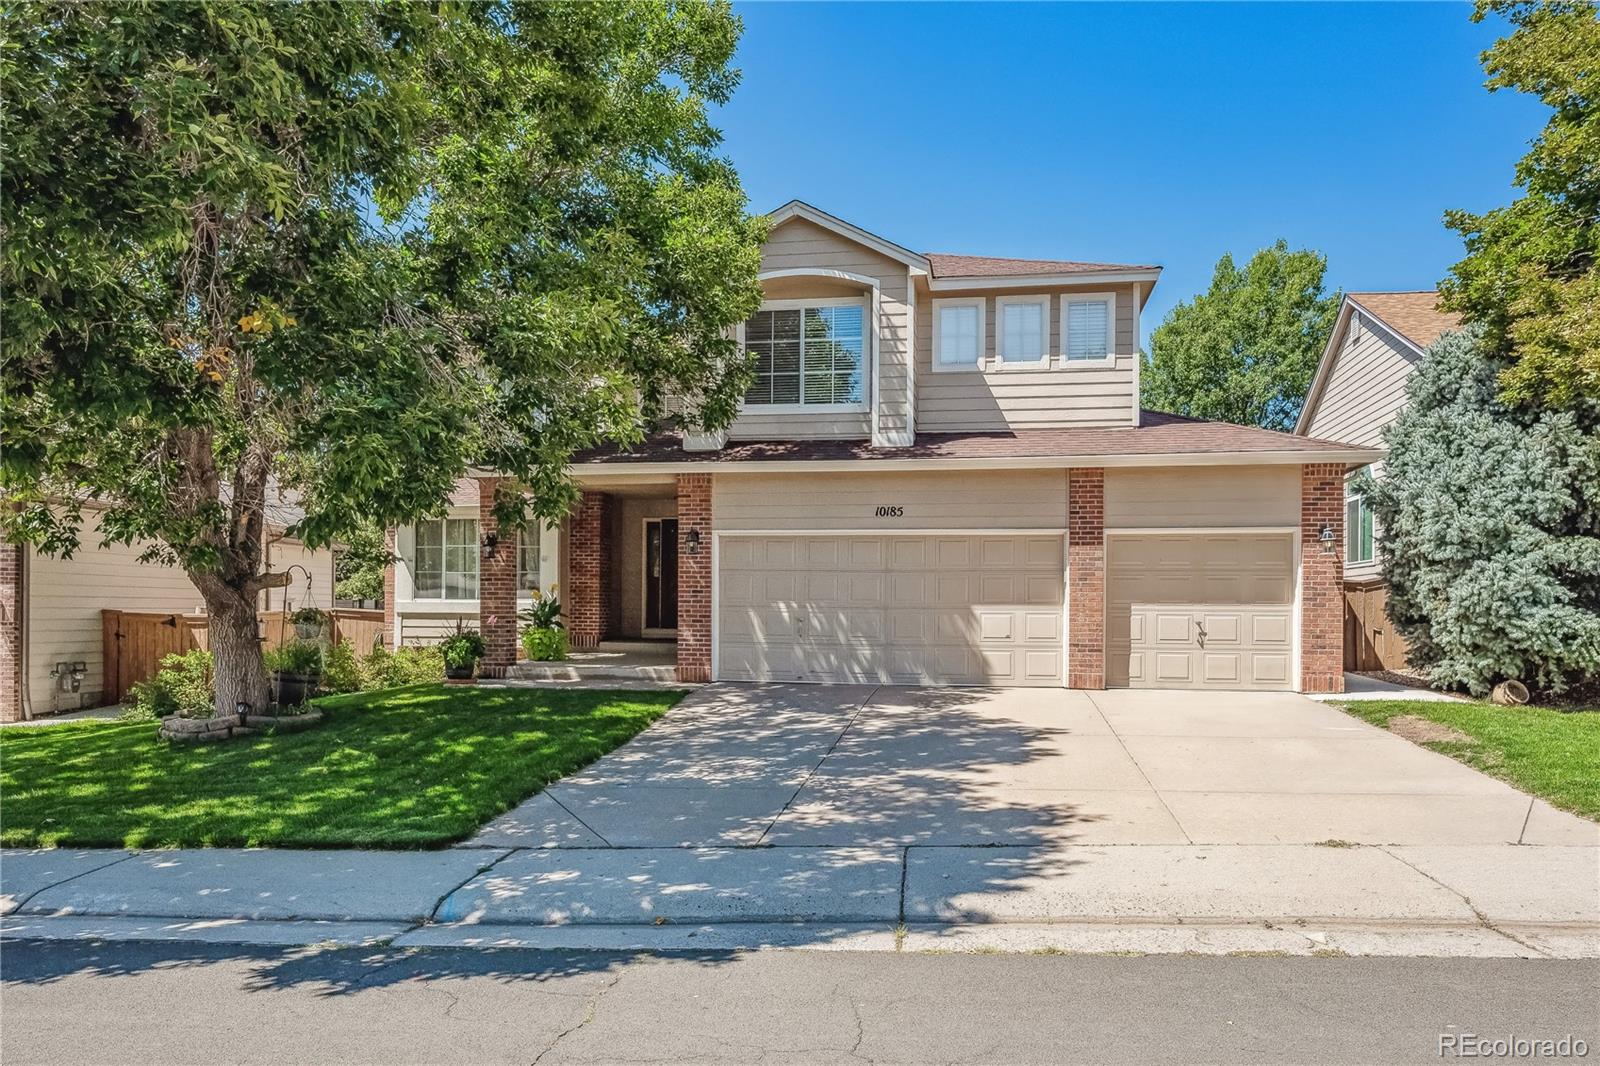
pixel 661 574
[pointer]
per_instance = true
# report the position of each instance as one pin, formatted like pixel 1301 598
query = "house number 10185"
pixel 889 512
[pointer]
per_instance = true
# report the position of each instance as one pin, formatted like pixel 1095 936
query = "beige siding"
pixel 1006 397
pixel 799 244
pixel 1012 499
pixel 66 596
pixel 1222 496
pixel 1366 387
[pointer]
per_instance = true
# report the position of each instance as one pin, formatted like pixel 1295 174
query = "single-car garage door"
pixel 950 610
pixel 1200 610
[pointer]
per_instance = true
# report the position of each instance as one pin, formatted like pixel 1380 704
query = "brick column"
pixel 391 537
pixel 694 578
pixel 1086 578
pixel 11 664
pixel 583 600
pixel 1321 578
pixel 497 589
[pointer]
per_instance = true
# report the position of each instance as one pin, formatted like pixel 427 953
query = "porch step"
pixel 569 671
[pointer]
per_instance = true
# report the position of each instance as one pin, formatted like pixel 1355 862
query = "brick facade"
pixel 584 598
pixel 1321 578
pixel 11 665
pixel 391 538
pixel 497 589
pixel 1086 578
pixel 694 578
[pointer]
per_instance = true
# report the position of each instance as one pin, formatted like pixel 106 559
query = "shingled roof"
pixel 1416 316
pixel 1158 434
pixel 988 266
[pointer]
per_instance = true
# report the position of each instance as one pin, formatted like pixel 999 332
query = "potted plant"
pixel 308 623
pixel 544 638
pixel 462 650
pixel 296 671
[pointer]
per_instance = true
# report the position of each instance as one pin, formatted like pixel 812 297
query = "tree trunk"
pixel 241 676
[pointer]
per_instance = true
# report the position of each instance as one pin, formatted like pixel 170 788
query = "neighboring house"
pixel 941 475
pixel 1359 388
pixel 52 610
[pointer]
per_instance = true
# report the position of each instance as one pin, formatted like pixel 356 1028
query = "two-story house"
pixel 941 475
pixel 1378 339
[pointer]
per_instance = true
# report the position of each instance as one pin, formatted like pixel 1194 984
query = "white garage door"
pixel 944 610
pixel 1200 611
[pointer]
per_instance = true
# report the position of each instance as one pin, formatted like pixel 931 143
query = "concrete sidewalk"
pixel 1516 900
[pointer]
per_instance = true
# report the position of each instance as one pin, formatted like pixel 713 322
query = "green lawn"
pixel 1553 754
pixel 411 767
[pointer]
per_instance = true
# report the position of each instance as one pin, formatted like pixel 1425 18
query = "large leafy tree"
pixel 1531 276
pixel 1244 350
pixel 1491 519
pixel 347 251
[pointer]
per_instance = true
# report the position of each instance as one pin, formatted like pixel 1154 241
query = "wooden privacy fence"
pixel 134 642
pixel 1370 641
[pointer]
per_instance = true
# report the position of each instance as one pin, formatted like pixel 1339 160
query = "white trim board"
pixel 1041 531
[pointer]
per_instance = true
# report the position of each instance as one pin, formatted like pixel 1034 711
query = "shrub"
pixel 295 657
pixel 407 666
pixel 340 670
pixel 1489 517
pixel 544 645
pixel 182 686
pixel 544 612
pixel 462 648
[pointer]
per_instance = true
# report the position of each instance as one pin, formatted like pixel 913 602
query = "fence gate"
pixel 135 642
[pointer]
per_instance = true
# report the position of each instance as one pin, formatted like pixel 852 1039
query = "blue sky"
pixel 1135 133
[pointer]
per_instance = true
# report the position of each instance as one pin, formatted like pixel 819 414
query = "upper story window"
pixel 808 353
pixel 1087 327
pixel 1358 535
pixel 1022 329
pixel 958 329
pixel 445 564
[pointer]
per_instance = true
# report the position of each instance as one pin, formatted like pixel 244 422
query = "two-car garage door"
pixel 915 609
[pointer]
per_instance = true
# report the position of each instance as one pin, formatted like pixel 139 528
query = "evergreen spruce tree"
pixel 1491 529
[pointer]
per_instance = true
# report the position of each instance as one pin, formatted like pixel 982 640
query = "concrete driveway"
pixel 871 766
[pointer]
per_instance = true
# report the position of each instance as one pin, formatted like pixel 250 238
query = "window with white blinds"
pixel 1023 328
pixel 1088 328
pixel 958 332
pixel 807 355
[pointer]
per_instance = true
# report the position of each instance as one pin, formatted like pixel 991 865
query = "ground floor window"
pixel 1357 530
pixel 529 578
pixel 445 563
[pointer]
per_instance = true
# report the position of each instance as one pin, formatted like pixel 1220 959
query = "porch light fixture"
pixel 488 544
pixel 691 542
pixel 1326 537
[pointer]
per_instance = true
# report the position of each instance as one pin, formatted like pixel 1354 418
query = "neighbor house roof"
pixel 988 266
pixel 1413 318
pixel 1159 439
pixel 1416 316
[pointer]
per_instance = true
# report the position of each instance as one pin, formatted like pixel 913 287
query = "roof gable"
pixel 818 217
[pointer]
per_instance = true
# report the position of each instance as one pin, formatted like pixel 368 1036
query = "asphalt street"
pixel 66 1002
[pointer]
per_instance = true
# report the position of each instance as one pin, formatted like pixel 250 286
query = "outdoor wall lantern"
pixel 489 543
pixel 691 542
pixel 1326 536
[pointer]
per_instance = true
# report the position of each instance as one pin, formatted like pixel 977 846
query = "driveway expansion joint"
pixel 21 903
pixel 427 919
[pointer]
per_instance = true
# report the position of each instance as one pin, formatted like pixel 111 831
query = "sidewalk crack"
pixel 57 884
pixel 1483 919
pixel 1526 818
pixel 479 872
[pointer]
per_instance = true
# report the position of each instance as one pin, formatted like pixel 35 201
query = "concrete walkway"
pixel 900 819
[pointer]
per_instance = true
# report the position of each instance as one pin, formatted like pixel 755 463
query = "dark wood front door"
pixel 661 573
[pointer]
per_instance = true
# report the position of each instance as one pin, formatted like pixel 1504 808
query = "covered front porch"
pixel 635 584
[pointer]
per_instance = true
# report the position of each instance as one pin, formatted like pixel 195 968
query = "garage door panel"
pixel 898 608
pixel 1165 591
